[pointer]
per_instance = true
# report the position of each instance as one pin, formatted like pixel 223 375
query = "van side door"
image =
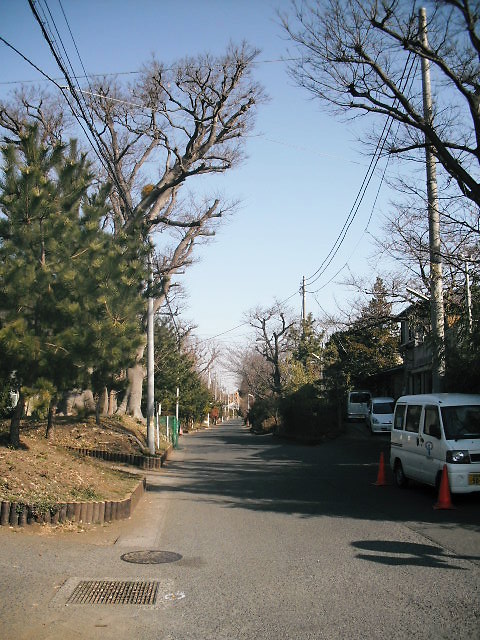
pixel 430 443
pixel 412 453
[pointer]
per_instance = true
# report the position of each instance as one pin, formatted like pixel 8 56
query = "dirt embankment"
pixel 44 473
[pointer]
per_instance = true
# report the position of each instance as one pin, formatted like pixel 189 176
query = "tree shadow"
pixel 393 553
pixel 230 467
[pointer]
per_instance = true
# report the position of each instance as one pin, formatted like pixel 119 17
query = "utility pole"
pixel 150 362
pixel 468 295
pixel 437 314
pixel 304 315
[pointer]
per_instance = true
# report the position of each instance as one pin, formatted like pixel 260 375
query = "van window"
pixel 399 415
pixel 382 408
pixel 432 422
pixel 412 423
pixel 461 422
pixel 359 397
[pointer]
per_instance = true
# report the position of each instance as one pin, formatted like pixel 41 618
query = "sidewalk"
pixel 40 566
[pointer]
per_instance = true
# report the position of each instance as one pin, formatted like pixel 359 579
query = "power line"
pixel 32 64
pixel 362 191
pixel 129 73
pixel 97 143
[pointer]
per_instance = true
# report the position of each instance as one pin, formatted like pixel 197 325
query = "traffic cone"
pixel 444 499
pixel 381 478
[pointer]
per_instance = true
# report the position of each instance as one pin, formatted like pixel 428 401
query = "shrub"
pixel 308 415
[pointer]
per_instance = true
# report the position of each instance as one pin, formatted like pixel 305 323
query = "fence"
pixel 166 428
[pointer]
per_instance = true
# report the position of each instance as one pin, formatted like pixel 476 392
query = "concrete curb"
pixel 18 515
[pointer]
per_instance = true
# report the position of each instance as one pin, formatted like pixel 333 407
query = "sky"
pixel 303 169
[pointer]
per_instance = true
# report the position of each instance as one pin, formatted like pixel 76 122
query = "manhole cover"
pixel 151 557
pixel 114 592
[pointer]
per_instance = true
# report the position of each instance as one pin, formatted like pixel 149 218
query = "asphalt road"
pixel 277 541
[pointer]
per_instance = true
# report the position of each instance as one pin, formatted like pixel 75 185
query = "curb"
pixel 136 460
pixel 18 515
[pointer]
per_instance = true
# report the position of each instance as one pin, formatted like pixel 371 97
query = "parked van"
pixel 432 430
pixel 357 404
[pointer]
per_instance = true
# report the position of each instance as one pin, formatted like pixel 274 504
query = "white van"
pixel 357 404
pixel 380 414
pixel 432 430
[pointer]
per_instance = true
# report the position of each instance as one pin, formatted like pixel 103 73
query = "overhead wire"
pixel 314 277
pixel 30 62
pixel 414 63
pixel 136 72
pixel 76 89
pixel 85 115
pixel 68 77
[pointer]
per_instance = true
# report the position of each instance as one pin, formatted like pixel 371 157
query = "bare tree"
pixel 253 371
pixel 171 123
pixel 361 57
pixel 272 341
pixel 34 104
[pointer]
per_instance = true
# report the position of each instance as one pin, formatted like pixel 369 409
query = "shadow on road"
pixel 409 553
pixel 233 468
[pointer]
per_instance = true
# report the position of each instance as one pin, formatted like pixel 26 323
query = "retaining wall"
pixel 16 514
pixel 136 460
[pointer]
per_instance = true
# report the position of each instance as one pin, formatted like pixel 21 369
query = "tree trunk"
pixel 112 402
pixel 103 402
pixel 97 409
pixel 52 408
pixel 15 421
pixel 132 401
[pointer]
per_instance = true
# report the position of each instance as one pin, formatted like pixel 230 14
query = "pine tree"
pixel 175 368
pixel 368 346
pixel 69 290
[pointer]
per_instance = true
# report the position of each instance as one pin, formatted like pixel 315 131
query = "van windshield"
pixel 461 422
pixel 383 408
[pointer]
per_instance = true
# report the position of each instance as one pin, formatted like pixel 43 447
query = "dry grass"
pixel 45 473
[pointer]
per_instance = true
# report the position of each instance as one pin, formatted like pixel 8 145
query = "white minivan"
pixel 380 414
pixel 432 430
pixel 357 404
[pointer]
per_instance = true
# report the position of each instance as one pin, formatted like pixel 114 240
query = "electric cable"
pixel 363 188
pixel 98 143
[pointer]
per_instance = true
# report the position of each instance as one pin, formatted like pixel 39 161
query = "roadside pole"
pixel 437 313
pixel 150 363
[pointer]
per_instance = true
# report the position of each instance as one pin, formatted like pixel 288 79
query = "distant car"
pixel 380 414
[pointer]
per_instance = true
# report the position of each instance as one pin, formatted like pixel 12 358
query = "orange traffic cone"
pixel 444 499
pixel 381 478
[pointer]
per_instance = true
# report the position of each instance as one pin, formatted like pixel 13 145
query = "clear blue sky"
pixel 303 170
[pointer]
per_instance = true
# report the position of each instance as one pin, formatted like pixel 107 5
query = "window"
pixel 412 422
pixel 432 422
pixel 359 397
pixel 461 422
pixel 399 415
pixel 382 408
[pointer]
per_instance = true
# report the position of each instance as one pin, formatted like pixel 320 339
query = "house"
pixel 415 349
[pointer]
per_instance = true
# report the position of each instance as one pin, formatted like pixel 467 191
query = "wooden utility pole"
pixel 304 313
pixel 437 314
pixel 468 296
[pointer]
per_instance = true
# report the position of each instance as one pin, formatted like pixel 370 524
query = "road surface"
pixel 277 540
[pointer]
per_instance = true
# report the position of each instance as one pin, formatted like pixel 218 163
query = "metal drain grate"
pixel 113 592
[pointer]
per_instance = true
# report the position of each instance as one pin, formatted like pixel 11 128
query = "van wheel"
pixel 399 477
